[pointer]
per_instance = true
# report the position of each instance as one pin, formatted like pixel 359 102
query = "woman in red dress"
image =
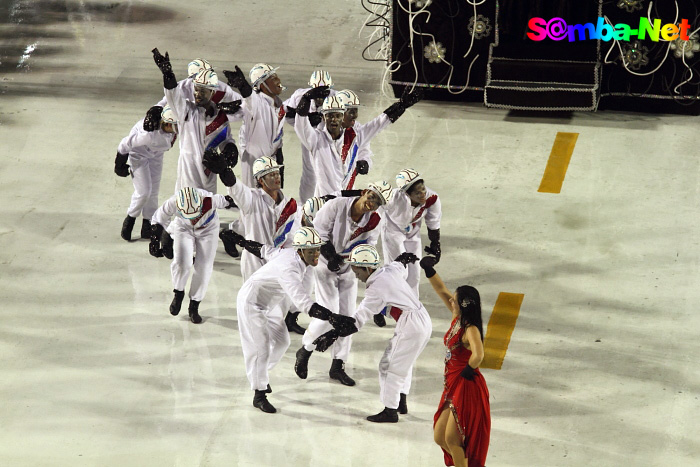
pixel 462 423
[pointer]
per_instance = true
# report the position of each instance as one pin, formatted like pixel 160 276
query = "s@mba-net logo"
pixel 556 29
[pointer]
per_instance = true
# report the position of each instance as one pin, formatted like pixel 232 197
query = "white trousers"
pixel 410 337
pixel 338 293
pixel 187 241
pixel 307 183
pixel 146 175
pixel 393 244
pixel 264 338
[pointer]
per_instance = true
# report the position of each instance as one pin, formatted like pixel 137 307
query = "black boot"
pixel 229 245
pixel 301 366
pixel 385 416
pixel 177 302
pixel 379 320
pixel 291 321
pixel 260 401
pixel 403 408
pixel 338 373
pixel 146 229
pixel 194 312
pixel 127 227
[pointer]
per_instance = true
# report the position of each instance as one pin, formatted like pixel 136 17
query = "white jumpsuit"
pixel 145 150
pixel 387 287
pixel 260 134
pixel 401 229
pixel 197 132
pixel 335 161
pixel 338 290
pixel 264 221
pixel 260 305
pixel 198 235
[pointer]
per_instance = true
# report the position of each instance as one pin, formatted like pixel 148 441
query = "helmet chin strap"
pixel 275 97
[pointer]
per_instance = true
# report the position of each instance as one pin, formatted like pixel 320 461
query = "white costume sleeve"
pixel 325 218
pixel 177 102
pixel 306 133
pixel 292 282
pixel 128 142
pixel 372 304
pixel 371 129
pixel 433 215
pixel 219 201
pixel 242 195
pixel 165 212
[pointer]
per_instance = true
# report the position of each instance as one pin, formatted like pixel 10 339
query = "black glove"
pixel 315 118
pixel 227 177
pixel 280 160
pixel 121 168
pixel 152 120
pixel 167 241
pixel 163 63
pixel 362 167
pixel 327 197
pixel 214 161
pixel 230 153
pixel 428 264
pixel 230 108
pixel 406 257
pixel 231 203
pixel 318 92
pixel 290 112
pixel 345 325
pixel 468 373
pixel 407 99
pixel 324 341
pixel 154 247
pixel 434 248
pixel 335 261
pixel 350 193
pixel 250 245
pixel 238 80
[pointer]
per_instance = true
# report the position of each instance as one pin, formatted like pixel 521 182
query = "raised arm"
pixel 428 264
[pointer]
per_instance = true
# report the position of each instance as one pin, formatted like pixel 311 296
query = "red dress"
pixel 468 400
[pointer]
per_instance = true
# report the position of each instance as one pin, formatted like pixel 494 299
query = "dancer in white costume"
pixel 343 223
pixel 386 286
pixel 143 150
pixel 202 126
pixel 194 229
pixel 412 202
pixel 264 337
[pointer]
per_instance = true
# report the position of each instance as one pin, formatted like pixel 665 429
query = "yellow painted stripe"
pixel 501 325
pixel 558 163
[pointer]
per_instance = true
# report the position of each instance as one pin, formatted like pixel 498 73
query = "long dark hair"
pixel 469 303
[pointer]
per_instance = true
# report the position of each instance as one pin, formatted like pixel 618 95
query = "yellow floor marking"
pixel 558 163
pixel 505 314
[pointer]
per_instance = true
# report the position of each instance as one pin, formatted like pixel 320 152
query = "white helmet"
pixel 349 99
pixel 332 104
pixel 206 78
pixel 197 65
pixel 383 189
pixel 364 256
pixel 167 115
pixel 406 178
pixel 260 72
pixel 320 78
pixel 263 166
pixel 306 238
pixel 189 203
pixel 311 207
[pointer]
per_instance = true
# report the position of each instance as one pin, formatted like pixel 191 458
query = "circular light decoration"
pixel 480 26
pixel 420 3
pixel 631 5
pixel 687 48
pixel 434 52
pixel 635 55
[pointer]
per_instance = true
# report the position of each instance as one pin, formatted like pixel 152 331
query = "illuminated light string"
pixel 616 42
pixel 396 65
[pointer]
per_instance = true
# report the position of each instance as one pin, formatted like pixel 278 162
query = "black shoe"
pixel 379 320
pixel 338 373
pixel 176 304
pixel 260 401
pixel 127 227
pixel 229 245
pixel 385 416
pixel 291 321
pixel 403 408
pixel 146 229
pixel 301 366
pixel 194 312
